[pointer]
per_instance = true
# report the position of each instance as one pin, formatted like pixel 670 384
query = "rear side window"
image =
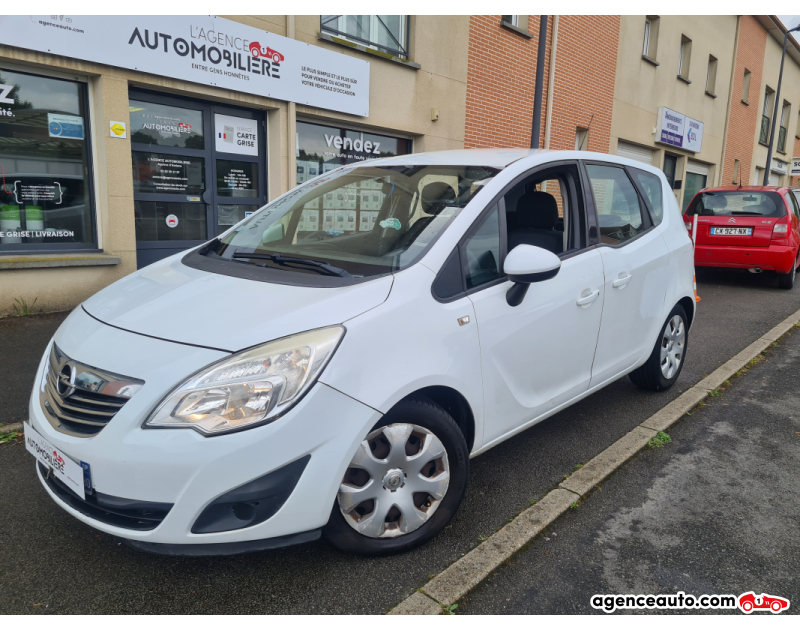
pixel 794 203
pixel 618 208
pixel 737 203
pixel 651 185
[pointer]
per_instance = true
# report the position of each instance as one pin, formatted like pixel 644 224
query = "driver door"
pixel 538 355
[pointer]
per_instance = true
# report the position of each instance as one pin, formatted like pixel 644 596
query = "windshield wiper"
pixel 283 260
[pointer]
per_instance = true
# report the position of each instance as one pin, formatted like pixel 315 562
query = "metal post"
pixel 775 111
pixel 537 96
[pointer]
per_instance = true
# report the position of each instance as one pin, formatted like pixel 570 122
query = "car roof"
pixel 501 158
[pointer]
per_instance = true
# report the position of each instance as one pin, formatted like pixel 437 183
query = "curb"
pixel 466 573
pixel 10 428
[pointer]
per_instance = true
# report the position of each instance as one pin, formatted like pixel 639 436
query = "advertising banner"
pixel 679 131
pixel 202 49
pixel 794 169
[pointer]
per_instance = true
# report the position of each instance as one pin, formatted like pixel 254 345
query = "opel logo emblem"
pixel 394 481
pixel 66 381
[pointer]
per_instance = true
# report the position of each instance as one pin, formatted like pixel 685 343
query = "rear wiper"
pixel 283 260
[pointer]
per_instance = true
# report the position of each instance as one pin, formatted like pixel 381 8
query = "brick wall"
pixel 502 73
pixel 745 120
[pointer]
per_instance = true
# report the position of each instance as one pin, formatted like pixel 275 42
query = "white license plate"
pixel 726 231
pixel 60 464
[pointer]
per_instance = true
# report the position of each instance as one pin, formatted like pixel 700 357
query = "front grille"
pixel 127 513
pixel 80 400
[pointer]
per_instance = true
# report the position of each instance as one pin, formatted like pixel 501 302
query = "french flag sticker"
pixel 222 136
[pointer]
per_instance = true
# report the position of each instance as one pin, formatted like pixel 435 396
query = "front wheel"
pixel 666 361
pixel 404 484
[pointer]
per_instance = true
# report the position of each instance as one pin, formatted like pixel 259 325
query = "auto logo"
pixel 66 381
pixel 732 220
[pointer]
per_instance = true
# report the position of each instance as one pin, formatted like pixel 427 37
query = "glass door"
pixel 198 168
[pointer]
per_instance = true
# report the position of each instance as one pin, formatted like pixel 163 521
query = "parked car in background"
pixel 748 227
pixel 287 380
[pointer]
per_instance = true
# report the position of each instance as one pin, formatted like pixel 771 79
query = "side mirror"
pixel 526 264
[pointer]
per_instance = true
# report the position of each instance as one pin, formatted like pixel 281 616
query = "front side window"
pixel 482 252
pixel 386 33
pixel 651 185
pixel 45 178
pixel 354 222
pixel 737 203
pixel 618 209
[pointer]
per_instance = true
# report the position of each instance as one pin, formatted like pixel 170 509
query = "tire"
pixel 786 280
pixel 384 537
pixel 652 376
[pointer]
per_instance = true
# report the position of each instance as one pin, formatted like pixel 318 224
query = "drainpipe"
pixel 551 82
pixel 721 169
pixel 537 97
pixel 291 116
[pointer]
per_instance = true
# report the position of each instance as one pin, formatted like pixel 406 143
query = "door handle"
pixel 621 282
pixel 585 301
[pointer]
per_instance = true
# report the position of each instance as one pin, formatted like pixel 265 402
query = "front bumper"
pixel 189 471
pixel 778 258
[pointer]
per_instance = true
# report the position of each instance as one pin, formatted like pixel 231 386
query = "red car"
pixel 257 50
pixel 749 602
pixel 750 227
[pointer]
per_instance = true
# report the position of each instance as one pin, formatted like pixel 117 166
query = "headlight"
pixel 249 388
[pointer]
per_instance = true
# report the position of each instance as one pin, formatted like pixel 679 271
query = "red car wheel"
pixel 776 606
pixel 747 606
pixel 276 58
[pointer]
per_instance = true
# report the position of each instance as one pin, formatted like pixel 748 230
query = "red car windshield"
pixel 737 203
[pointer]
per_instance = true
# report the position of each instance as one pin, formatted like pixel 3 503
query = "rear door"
pixel 636 264
pixel 736 218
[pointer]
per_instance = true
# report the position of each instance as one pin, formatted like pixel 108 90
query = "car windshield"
pixel 355 221
pixel 737 203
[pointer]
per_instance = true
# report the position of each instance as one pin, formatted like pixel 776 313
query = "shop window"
pixel 651 25
pixel 685 58
pixel 711 76
pixel 670 169
pixel 746 87
pixel 165 125
pixel 45 164
pixel 386 33
pixel 167 174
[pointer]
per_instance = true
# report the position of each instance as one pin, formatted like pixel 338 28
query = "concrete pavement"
pixel 88 572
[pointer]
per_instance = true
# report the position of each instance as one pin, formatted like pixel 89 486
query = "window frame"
pixel 766 117
pixel 748 75
pixel 401 52
pixel 650 39
pixel 582 227
pixel 783 130
pixel 644 203
pixel 711 76
pixel 685 59
pixel 92 187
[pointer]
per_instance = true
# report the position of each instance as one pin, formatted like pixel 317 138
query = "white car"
pixel 288 380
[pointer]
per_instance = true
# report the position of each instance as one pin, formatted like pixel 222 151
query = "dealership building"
pixel 124 140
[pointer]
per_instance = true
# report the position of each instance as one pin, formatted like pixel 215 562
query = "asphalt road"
pixel 713 512
pixel 50 562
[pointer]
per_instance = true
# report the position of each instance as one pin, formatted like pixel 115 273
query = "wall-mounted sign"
pixel 795 168
pixel 203 49
pixel 679 131
pixel 236 135
pixel 171 221
pixel 63 126
pixel 778 166
pixel 117 129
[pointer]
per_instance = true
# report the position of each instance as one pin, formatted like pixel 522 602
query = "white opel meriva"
pixel 329 365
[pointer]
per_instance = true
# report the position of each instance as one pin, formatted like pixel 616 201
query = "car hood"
pixel 171 301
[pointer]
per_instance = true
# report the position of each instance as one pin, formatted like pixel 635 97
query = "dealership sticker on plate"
pixel 172 221
pixel 60 465
pixel 391 223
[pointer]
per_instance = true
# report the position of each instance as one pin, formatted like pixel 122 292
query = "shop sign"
pixel 63 126
pixel 35 193
pixel 171 174
pixel 236 135
pixel 679 131
pixel 117 129
pixel 795 169
pixel 203 49
pixel 778 166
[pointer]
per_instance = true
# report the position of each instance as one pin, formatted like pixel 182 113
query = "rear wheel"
pixel 404 484
pixel 666 361
pixel 786 280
